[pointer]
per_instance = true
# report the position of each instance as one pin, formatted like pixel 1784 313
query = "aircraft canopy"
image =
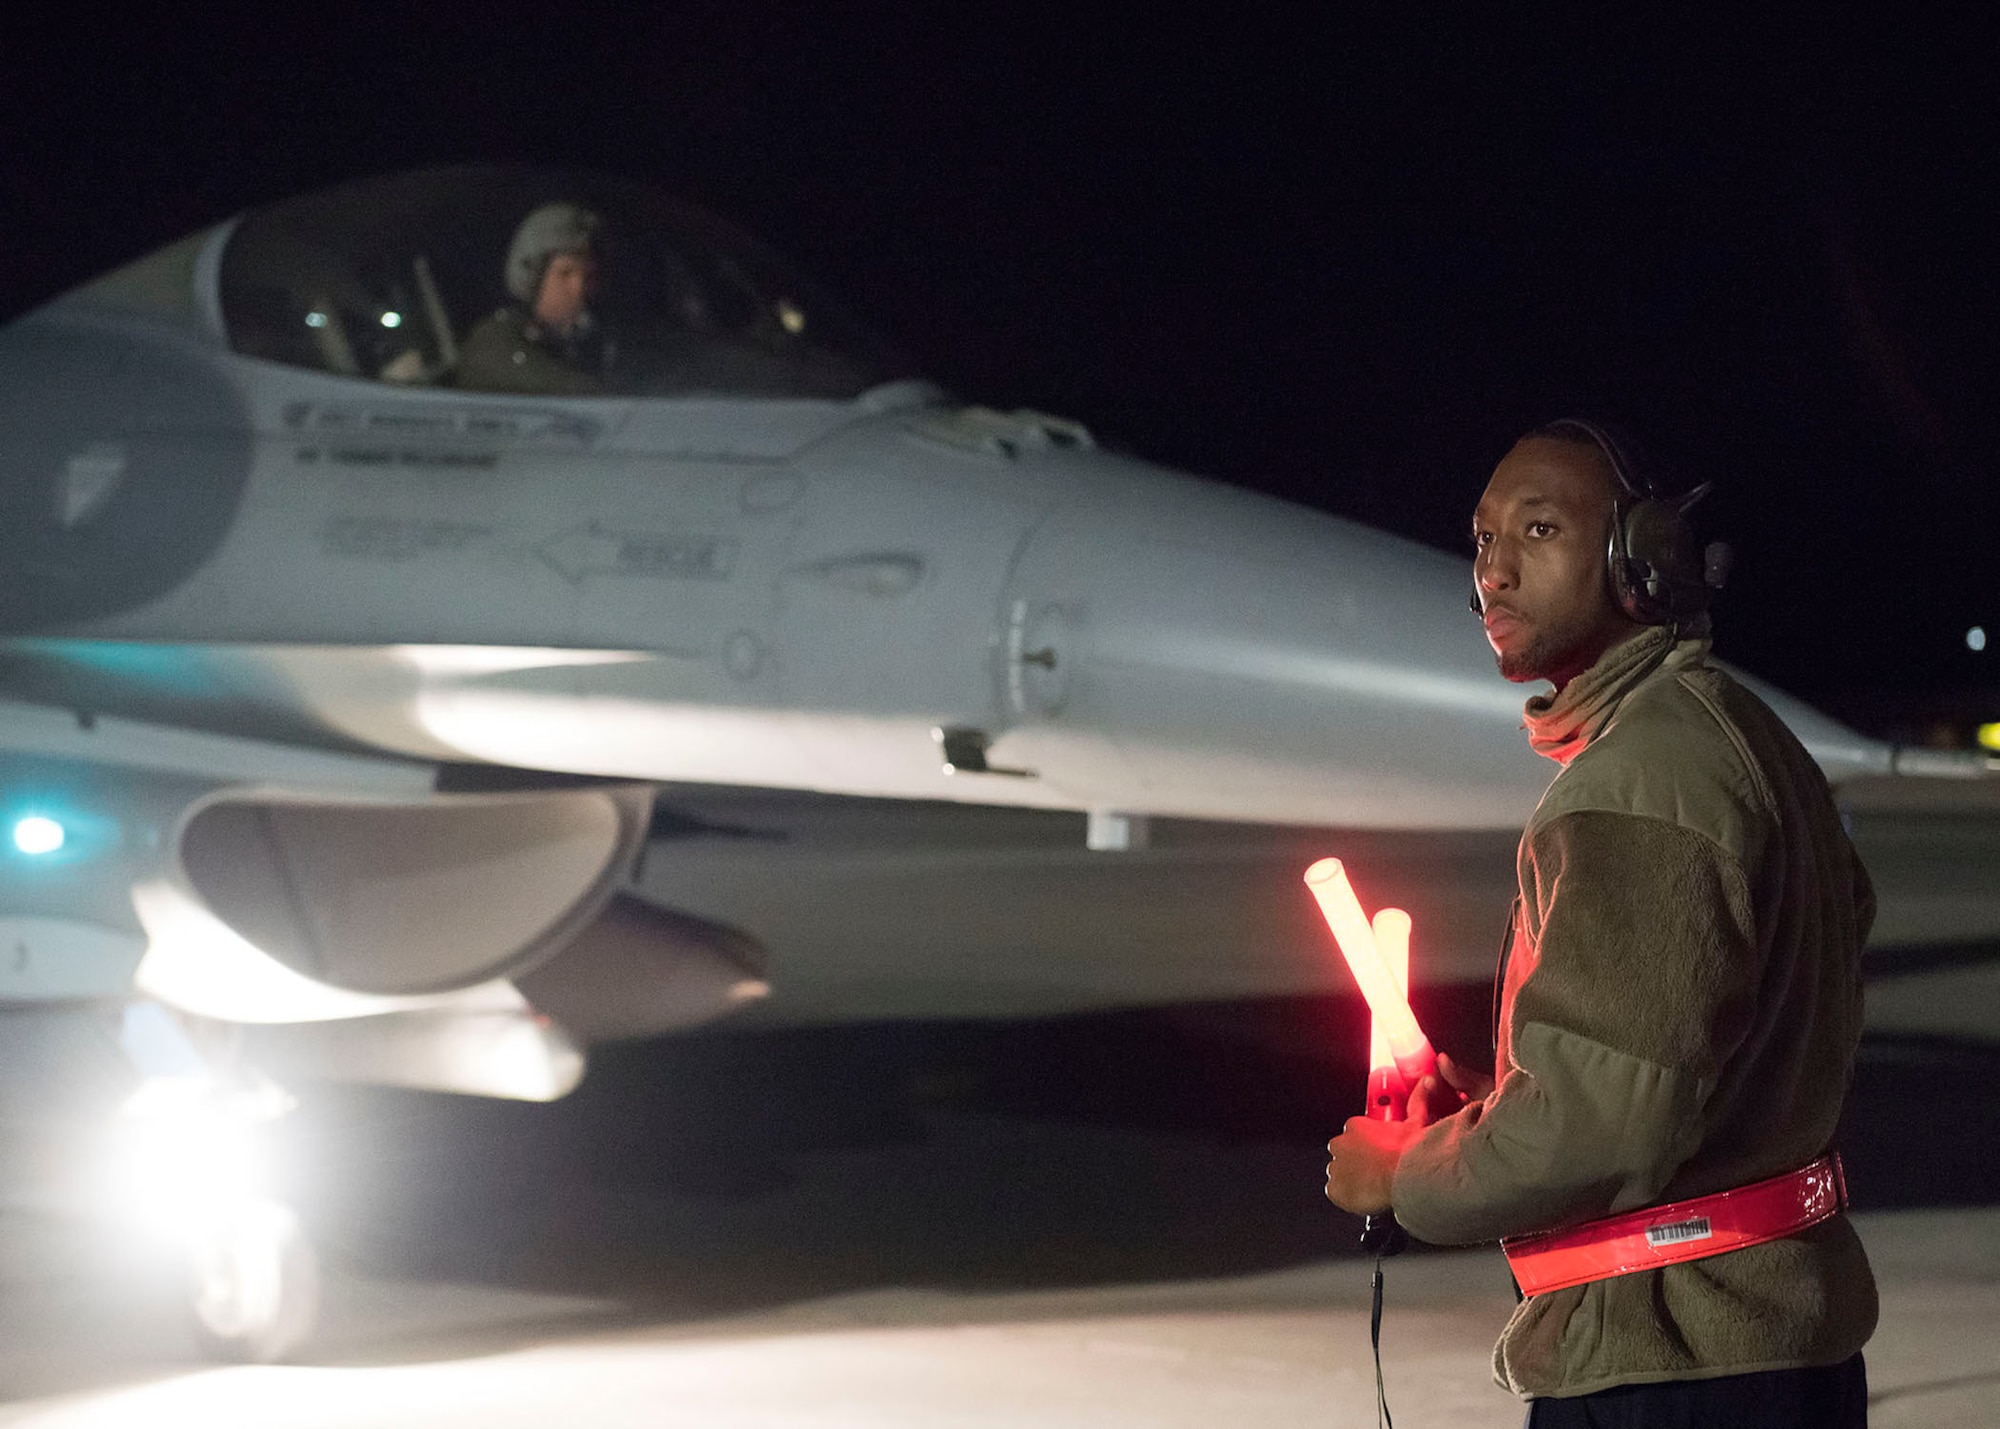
pixel 391 279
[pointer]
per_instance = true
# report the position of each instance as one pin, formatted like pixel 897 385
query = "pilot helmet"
pixel 551 229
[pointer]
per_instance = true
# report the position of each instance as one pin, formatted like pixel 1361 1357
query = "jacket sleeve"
pixel 1643 981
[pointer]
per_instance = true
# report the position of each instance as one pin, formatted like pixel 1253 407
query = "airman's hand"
pixel 1445 1091
pixel 1361 1162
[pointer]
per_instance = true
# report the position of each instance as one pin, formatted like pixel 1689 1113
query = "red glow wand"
pixel 1399 1055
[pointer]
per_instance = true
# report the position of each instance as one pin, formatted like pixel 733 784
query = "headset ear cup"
pixel 1656 573
pixel 1627 574
pixel 1662 576
pixel 1632 584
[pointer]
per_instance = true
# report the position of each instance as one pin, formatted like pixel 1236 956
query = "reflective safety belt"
pixel 1679 1232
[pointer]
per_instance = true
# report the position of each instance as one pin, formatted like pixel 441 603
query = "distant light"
pixel 315 319
pixel 37 835
pixel 1989 737
pixel 1975 638
pixel 392 319
pixel 791 316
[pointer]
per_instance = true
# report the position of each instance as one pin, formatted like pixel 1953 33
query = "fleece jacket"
pixel 1679 1010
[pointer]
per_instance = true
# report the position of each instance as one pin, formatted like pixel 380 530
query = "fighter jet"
pixel 379 568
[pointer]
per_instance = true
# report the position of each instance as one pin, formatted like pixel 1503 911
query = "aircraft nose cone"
pixel 1238 657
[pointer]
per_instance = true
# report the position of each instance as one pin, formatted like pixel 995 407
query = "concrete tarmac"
pixel 1101 1221
pixel 1285 1347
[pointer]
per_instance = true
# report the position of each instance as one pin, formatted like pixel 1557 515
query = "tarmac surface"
pixel 1105 1220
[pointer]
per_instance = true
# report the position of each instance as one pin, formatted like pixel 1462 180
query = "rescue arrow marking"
pixel 591 550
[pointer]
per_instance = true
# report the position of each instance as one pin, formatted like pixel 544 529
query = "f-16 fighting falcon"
pixel 339 676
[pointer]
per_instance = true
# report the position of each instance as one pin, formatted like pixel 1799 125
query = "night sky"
pixel 1344 259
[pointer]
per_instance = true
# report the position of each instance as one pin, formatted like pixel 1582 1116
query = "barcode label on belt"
pixel 1679 1232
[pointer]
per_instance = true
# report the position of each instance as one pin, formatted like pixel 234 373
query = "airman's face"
pixel 568 285
pixel 1540 534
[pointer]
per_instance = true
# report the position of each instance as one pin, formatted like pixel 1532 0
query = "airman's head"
pixel 1542 534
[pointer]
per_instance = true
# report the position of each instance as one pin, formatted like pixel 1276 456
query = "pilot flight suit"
pixel 1680 1007
pixel 510 352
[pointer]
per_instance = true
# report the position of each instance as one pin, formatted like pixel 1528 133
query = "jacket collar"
pixel 1561 726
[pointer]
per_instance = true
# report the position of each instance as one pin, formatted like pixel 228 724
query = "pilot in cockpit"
pixel 547 340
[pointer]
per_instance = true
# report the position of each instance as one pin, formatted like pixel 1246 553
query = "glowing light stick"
pixel 1403 1054
pixel 1388 1095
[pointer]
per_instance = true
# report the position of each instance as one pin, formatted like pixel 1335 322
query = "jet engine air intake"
pixel 403 899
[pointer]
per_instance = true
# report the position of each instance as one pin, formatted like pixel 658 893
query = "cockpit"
pixel 443 279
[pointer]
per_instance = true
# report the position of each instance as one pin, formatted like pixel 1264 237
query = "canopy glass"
pixel 438 279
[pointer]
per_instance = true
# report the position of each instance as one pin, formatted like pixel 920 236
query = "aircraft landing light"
pixel 392 319
pixel 1989 736
pixel 37 834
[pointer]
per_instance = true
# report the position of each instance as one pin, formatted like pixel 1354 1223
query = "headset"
pixel 1658 574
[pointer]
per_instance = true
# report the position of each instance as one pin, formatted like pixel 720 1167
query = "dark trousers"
pixel 1835 1397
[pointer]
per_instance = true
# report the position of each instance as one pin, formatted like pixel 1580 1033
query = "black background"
pixel 1343 255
